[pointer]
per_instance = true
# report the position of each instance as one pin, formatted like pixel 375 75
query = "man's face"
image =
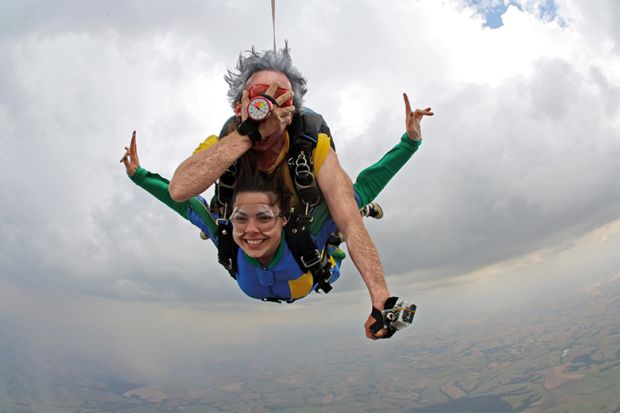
pixel 266 77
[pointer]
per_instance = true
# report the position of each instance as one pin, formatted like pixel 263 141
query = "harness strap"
pixel 225 188
pixel 305 131
pixel 301 169
pixel 307 255
pixel 226 247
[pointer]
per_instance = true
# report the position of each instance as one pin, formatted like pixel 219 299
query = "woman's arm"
pixel 153 183
pixel 157 186
pixel 371 181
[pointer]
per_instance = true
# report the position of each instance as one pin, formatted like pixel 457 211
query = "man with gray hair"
pixel 266 92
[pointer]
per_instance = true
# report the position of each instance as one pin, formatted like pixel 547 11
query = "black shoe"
pixel 372 210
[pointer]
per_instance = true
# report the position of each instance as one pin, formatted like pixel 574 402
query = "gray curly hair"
pixel 254 61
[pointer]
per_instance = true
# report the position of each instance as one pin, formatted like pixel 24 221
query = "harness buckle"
pixel 223 221
pixel 313 258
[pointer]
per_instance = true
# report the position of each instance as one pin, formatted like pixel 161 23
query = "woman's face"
pixel 257 225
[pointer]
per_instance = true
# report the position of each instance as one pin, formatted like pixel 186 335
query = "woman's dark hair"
pixel 251 179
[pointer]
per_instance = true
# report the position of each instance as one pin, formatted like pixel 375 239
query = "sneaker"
pixel 372 210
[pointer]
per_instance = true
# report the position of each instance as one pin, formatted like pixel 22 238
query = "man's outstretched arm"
pixel 337 189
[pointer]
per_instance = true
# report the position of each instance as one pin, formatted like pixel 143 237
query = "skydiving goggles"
pixel 263 216
pixel 260 89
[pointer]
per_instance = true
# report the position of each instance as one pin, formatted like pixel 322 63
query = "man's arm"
pixel 198 172
pixel 337 189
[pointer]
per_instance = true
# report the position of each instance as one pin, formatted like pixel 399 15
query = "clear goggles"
pixel 264 216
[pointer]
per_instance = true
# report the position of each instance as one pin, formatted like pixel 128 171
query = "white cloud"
pixel 520 160
pixel 525 129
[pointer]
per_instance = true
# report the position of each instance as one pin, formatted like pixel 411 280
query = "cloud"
pixel 521 151
pixel 513 168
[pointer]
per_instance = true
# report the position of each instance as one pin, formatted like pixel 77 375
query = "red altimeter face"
pixel 259 108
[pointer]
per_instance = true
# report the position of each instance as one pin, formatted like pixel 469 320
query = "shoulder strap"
pixel 313 124
pixel 304 132
pixel 226 247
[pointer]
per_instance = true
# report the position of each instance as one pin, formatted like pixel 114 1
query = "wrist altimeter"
pixel 260 107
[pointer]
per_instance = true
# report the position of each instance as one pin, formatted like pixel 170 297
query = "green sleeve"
pixel 371 181
pixel 158 187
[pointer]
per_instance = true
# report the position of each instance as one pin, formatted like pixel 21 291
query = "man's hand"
pixel 279 119
pixel 413 119
pixel 130 159
pixel 370 321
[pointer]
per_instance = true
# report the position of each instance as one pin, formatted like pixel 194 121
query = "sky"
pixel 519 161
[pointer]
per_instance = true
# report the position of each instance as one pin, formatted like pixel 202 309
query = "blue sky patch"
pixel 493 10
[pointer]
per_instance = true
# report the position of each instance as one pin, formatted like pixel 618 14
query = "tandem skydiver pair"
pixel 282 195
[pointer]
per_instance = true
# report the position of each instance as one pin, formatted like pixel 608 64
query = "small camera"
pixel 399 316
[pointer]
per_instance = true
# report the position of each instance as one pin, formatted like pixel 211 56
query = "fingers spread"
pixel 407 105
pixel 133 145
pixel 271 90
pixel 284 97
pixel 423 112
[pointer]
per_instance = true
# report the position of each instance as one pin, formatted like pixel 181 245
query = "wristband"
pixel 249 128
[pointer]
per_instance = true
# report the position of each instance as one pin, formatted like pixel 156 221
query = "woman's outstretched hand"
pixel 130 159
pixel 413 119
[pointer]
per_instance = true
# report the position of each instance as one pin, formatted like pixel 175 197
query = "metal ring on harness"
pixel 304 179
pixel 305 175
pixel 302 161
